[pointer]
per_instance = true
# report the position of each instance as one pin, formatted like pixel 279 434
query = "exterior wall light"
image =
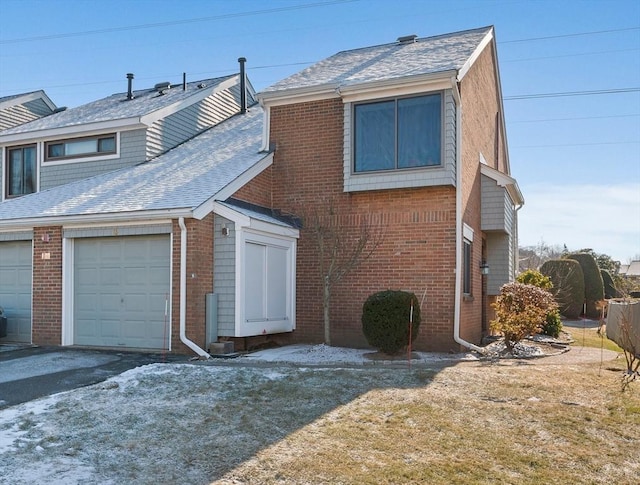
pixel 484 268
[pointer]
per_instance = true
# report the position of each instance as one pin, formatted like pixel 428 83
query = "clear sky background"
pixel 570 75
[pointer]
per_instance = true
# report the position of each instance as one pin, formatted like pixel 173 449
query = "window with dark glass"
pixel 397 134
pixel 80 147
pixel 466 265
pixel 21 171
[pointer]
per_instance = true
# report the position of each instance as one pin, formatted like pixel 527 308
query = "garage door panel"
pixel 132 279
pixel 15 289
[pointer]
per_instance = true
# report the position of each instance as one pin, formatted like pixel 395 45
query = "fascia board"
pixel 476 53
pixel 269 228
pixel 239 219
pixel 206 207
pixel 25 98
pixel 504 180
pixel 87 129
pixel 161 113
pixel 397 87
pixel 298 95
pixel 118 217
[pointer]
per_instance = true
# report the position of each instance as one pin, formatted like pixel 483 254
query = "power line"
pixel 570 55
pixel 571 93
pixel 580 144
pixel 175 22
pixel 575 34
pixel 576 118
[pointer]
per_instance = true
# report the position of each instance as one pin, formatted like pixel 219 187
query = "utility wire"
pixel 575 34
pixel 576 118
pixel 572 93
pixel 175 22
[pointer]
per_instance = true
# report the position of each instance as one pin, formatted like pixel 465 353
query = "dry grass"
pixel 507 423
pixel 589 337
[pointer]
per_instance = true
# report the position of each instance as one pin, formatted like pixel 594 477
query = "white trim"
pixel 397 87
pixel 89 158
pixel 467 232
pixel 86 129
pixel 231 188
pixel 504 180
pixel 25 98
pixel 266 127
pixel 204 93
pixel 476 53
pixel 67 290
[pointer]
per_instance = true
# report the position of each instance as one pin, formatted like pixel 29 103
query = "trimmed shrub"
pixel 385 320
pixel 609 286
pixel 552 325
pixel 593 285
pixel 568 285
pixel 535 278
pixel 520 311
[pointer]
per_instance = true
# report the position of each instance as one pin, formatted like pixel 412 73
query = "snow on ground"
pixel 189 423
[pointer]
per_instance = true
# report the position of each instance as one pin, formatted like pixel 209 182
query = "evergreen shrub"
pixel 609 286
pixel 535 278
pixel 385 320
pixel 593 285
pixel 568 285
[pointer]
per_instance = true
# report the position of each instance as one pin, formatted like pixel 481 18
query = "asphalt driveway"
pixel 27 373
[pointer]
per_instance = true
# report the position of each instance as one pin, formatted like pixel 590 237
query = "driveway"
pixel 27 373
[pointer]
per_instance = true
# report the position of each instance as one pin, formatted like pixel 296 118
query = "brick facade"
pixel 47 286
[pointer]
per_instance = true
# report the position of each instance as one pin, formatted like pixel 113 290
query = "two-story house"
pixel 146 202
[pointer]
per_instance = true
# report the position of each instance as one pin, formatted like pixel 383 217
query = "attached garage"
pixel 121 291
pixel 15 289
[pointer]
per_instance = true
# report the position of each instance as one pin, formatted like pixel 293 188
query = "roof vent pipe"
pixel 243 86
pixel 130 86
pixel 184 81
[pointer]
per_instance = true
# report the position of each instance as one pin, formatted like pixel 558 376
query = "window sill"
pixel 468 298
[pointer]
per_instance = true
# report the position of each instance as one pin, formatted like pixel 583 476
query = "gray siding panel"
pixel 119 231
pixel 132 152
pixel 497 207
pixel 499 259
pixel 23 113
pixel 16 236
pixel 224 276
pixel 179 127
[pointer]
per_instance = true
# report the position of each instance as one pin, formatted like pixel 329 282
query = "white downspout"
pixel 183 292
pixel 458 284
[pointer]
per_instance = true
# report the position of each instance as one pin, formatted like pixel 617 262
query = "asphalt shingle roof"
pixel 386 62
pixel 116 107
pixel 182 178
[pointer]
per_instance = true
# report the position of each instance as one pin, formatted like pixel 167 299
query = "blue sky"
pixel 576 156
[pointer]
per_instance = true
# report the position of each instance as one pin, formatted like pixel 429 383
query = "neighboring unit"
pixel 133 213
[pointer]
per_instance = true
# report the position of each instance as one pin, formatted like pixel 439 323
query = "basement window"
pixel 80 147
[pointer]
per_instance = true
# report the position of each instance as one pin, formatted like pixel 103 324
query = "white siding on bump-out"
pixel 122 291
pixel 16 288
pixel 23 113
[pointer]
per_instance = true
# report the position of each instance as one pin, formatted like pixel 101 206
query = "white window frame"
pixel 81 158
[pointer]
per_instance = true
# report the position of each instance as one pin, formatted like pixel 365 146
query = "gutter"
pixel 183 293
pixel 458 271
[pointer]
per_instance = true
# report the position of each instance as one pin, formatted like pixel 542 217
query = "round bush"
pixel 552 325
pixel 385 320
pixel 535 278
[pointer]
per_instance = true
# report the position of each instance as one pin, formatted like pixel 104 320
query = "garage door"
pixel 15 289
pixel 121 287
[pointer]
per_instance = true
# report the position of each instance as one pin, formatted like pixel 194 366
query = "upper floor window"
pixel 20 173
pixel 398 133
pixel 80 147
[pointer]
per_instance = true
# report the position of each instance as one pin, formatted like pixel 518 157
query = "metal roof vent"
pixel 407 39
pixel 202 86
pixel 162 88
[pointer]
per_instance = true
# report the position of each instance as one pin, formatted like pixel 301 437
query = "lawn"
pixel 458 422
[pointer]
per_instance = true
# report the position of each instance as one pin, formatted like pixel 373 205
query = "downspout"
pixel 183 292
pixel 458 283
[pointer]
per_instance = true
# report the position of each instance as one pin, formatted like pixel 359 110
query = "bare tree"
pixel 341 248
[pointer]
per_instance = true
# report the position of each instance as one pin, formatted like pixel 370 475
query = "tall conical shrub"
pixel 593 285
pixel 568 285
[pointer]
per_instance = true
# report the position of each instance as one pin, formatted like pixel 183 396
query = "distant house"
pixel 168 218
pixel 630 271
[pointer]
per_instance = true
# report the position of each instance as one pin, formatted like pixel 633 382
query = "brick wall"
pixel 258 191
pixel 47 286
pixel 199 281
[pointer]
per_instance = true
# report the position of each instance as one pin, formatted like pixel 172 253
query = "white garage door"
pixel 121 289
pixel 15 289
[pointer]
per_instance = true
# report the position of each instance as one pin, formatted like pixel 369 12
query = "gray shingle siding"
pixel 169 132
pixel 224 275
pixel 23 113
pixel 497 207
pixel 132 152
pixel 500 261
